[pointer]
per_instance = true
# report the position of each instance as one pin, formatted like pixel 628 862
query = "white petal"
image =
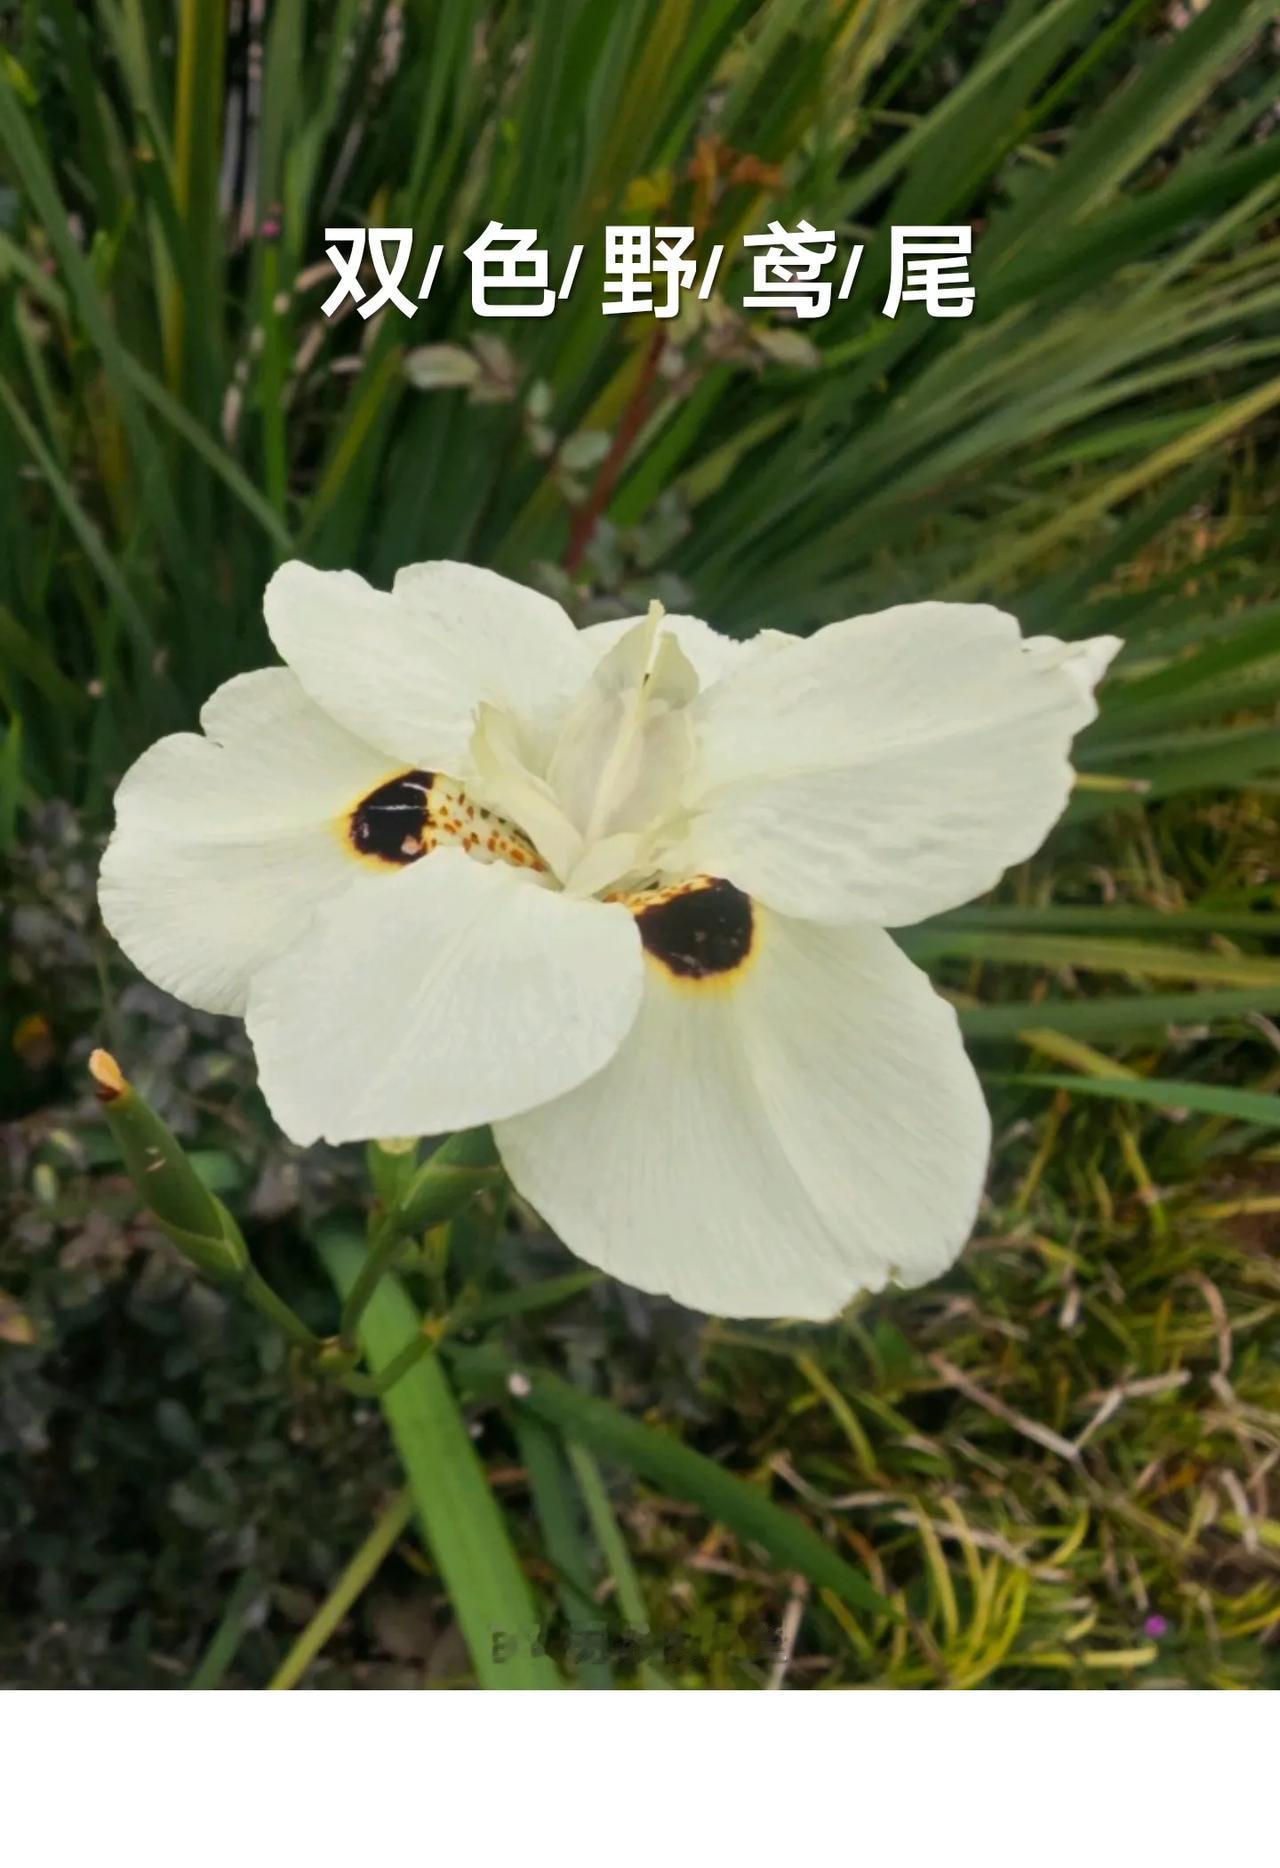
pixel 890 766
pixel 711 654
pixel 456 993
pixel 1086 662
pixel 771 1142
pixel 225 842
pixel 603 865
pixel 406 669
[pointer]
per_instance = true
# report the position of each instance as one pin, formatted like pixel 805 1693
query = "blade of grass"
pixel 631 1604
pixel 197 160
pixel 1014 553
pixel 1140 959
pixel 26 655
pixel 352 1583
pixel 90 538
pixel 33 170
pixel 558 1512
pixel 1116 918
pixel 1102 1018
pixel 1209 1099
pixel 228 1635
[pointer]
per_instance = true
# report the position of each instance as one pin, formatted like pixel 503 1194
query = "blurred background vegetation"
pixel 1059 1462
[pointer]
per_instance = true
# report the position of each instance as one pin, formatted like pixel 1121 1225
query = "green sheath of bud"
pixel 168 1185
pixel 459 1168
pixel 391 1165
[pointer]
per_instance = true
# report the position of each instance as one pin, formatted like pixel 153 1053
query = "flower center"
pixel 586 797
pixel 597 786
pixel 701 931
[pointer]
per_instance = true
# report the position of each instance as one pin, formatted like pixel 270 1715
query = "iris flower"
pixel 621 892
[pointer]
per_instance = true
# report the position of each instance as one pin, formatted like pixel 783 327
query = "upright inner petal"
pixel 597 786
pixel 625 745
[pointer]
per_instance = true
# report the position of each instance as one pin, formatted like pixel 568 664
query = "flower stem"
pixel 265 1300
pixel 373 1387
pixel 384 1248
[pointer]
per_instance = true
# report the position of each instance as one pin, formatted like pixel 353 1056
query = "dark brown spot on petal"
pixel 702 930
pixel 389 823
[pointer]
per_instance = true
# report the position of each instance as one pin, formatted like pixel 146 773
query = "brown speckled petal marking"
pixel 417 812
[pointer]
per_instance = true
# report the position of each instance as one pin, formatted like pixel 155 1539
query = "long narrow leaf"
pixel 667 1462
pixel 1102 1018
pixel 459 1516
pixel 1210 1099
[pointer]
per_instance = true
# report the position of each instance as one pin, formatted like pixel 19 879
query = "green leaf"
pixel 229 1633
pixel 631 1603
pixel 87 534
pixel 558 1510
pixel 667 1462
pixel 1169 1093
pixel 1112 917
pixel 1141 959
pixel 1102 1018
pixel 460 1518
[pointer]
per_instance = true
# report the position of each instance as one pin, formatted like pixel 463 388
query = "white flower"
pixel 620 892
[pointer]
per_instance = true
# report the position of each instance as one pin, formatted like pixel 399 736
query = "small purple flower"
pixel 1155 1626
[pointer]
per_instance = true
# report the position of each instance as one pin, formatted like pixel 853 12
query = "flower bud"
pixel 392 1165
pixel 459 1168
pixel 199 1225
